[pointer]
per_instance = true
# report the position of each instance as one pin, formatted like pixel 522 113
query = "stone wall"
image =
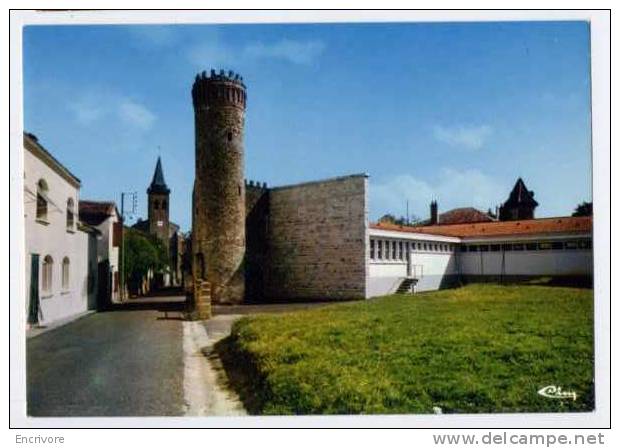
pixel 317 235
pixel 256 225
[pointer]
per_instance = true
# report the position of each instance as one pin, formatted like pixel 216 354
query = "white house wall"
pixel 53 238
pixel 107 251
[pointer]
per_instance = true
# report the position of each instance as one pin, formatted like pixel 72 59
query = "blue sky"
pixel 452 112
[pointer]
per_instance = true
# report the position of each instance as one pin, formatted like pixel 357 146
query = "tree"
pixel 389 218
pixel 402 221
pixel 143 253
pixel 583 209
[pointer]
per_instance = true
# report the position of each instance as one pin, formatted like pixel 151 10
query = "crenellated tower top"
pixel 223 88
pixel 255 185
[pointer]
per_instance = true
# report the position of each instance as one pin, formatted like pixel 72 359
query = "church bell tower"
pixel 159 205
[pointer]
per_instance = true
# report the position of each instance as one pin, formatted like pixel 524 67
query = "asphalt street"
pixel 117 363
pixel 141 359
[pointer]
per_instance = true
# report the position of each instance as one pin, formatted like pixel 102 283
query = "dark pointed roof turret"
pixel 520 195
pixel 158 184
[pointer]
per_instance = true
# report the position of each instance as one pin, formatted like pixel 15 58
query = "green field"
pixel 480 348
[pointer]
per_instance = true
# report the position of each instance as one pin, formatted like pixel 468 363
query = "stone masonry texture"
pixel 250 243
pixel 316 238
pixel 218 228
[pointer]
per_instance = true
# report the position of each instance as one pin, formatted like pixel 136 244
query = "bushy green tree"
pixel 143 253
pixel 402 221
pixel 583 209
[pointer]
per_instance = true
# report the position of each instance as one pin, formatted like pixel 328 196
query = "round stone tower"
pixel 218 228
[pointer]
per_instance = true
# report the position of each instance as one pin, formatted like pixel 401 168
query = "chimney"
pixel 434 219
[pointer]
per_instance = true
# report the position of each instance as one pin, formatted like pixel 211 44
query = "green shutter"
pixel 33 311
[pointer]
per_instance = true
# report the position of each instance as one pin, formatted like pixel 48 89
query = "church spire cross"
pixel 158 184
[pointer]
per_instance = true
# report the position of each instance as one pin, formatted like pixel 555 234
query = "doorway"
pixel 104 285
pixel 34 305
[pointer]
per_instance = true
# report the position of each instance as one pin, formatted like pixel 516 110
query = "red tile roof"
pixel 566 224
pixel 463 215
pixel 95 212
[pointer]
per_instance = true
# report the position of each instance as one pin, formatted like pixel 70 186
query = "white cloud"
pixel 452 188
pixel 135 114
pixel 213 53
pixel 297 52
pixel 210 54
pixel 156 35
pixel 471 137
pixel 99 106
pixel 86 110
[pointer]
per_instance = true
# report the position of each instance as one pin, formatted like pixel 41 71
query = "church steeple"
pixel 159 205
pixel 158 184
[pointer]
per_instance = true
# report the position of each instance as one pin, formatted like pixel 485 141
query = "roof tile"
pixel 565 224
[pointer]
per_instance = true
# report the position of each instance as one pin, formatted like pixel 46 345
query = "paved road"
pixel 117 363
pixel 139 360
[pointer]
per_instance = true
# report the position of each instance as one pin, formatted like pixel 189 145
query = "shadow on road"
pixel 162 304
pixel 178 304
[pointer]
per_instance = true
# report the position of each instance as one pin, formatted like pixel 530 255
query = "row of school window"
pixel 397 250
pixel 42 205
pixel 530 246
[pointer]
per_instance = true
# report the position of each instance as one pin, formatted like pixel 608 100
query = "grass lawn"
pixel 480 348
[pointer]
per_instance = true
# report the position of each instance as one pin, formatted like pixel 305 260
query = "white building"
pixel 61 263
pixel 415 261
pixel 104 216
pixel 432 257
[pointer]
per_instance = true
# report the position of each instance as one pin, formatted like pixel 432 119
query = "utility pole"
pixel 132 210
pixel 407 211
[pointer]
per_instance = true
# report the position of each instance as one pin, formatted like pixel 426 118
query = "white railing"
pixel 417 271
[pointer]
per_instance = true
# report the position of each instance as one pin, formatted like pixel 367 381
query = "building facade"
pixel 307 241
pixel 104 216
pixel 61 252
pixel 435 257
